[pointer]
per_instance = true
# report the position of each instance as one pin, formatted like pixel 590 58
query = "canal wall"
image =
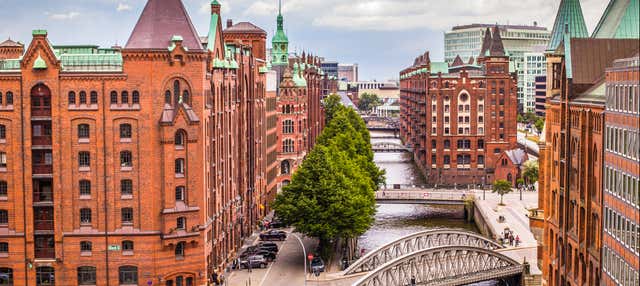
pixel 482 222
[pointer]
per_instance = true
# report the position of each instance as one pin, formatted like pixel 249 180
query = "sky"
pixel 382 36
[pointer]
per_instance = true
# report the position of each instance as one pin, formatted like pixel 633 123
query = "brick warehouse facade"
pixel 460 119
pixel 572 157
pixel 144 163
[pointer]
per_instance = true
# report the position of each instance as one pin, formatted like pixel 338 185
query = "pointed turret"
pixel 280 42
pixel 159 22
pixel 457 62
pixel 619 21
pixel 486 43
pixel 497 48
pixel 569 14
pixel 213 25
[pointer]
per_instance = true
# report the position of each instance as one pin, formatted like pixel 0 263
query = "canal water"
pixel 395 221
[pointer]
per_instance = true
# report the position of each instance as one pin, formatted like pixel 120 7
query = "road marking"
pixel 271 264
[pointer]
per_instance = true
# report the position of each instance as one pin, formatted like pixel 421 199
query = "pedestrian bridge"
pixel 389 147
pixel 417 242
pixel 423 196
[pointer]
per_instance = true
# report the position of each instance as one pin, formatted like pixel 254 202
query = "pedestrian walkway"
pixel 514 214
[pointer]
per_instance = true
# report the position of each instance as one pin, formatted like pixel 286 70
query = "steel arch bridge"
pixel 417 242
pixel 389 147
pixel 446 265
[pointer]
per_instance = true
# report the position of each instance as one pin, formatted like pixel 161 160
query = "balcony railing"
pixel 41 112
pixel 43 224
pixel 47 252
pixel 41 140
pixel 42 169
pixel 41 197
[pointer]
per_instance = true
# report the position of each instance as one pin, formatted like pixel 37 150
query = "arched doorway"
pixel 285 167
pixel 40 100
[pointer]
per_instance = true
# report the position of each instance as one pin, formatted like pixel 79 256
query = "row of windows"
pixel 288 146
pixel 127 275
pixel 113 98
pixel 126 216
pixel 8 99
pixel 618 269
pixel 461 119
pixel 460 159
pixel 461 144
pixel 287 127
pixel 622 228
pixel 465 131
pixel 82 98
pixel 623 98
pixel 622 185
pixel 622 141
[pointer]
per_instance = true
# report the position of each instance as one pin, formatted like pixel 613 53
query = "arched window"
pixel 83 131
pixel 93 97
pixel 447 159
pixel 72 97
pixel 3 132
pixel 481 159
pixel 7 276
pixel 85 216
pixel 180 249
pixel 481 144
pixel 83 97
pixel 85 187
pixel 288 146
pixel 179 139
pixel 125 131
pixel 180 193
pixel 447 144
pixel 510 178
pixel 4 249
pixel 176 90
pixel 126 159
pixel 181 223
pixel 167 97
pixel 113 97
pixel 135 97
pixel 86 275
pixel 287 126
pixel 4 189
pixel 284 167
pixel 179 166
pixel 185 96
pixel 126 187
pixel 124 97
pixel 86 246
pixel 434 144
pixel 9 98
pixel 128 275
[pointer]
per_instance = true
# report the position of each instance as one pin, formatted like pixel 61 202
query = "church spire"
pixel 569 16
pixel 280 42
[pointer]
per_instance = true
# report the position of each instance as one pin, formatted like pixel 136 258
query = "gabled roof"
pixel 457 62
pixel 245 27
pixel 159 22
pixel 486 42
pixel 10 43
pixel 517 156
pixel 496 48
pixel 569 15
pixel 621 20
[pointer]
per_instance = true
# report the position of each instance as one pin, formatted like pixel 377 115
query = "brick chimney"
pixel 229 23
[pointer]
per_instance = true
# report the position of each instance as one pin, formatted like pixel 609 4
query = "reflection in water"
pixel 395 221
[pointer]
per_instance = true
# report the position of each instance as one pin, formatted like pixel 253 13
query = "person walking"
pixel 517 240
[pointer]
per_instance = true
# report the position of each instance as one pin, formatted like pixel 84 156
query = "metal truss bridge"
pixel 389 147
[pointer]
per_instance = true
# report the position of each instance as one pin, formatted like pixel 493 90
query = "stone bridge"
pixel 423 196
pixel 389 147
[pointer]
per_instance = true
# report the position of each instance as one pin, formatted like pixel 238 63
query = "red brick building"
pixel 572 158
pixel 134 165
pixel 459 120
pixel 621 205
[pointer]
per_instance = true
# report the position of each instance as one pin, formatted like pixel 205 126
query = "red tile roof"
pixel 590 57
pixel 10 43
pixel 244 27
pixel 159 22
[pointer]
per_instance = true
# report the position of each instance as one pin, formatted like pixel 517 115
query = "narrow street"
pixel 287 269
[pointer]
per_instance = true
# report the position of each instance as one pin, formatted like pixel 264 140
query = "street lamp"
pixel 304 252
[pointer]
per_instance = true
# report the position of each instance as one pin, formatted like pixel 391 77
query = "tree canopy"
pixel 530 172
pixel 332 193
pixel 368 101
pixel 502 187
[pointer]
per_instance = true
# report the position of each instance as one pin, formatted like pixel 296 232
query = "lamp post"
pixel 304 252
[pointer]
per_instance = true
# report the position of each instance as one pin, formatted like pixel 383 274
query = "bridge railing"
pixel 424 195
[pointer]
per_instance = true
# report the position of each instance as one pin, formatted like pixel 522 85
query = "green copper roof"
pixel 10 65
pixel 39 33
pixel 39 63
pixel 215 2
pixel 569 14
pixel 437 67
pixel 297 78
pixel 176 38
pixel 91 62
pixel 233 64
pixel 280 42
pixel 621 20
pixel 263 69
pixel 213 26
pixel 218 63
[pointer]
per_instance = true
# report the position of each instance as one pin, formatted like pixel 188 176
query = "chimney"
pixel 229 23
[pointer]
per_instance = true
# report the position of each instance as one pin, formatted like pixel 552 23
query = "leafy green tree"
pixel 332 104
pixel 520 119
pixel 368 101
pixel 501 187
pixel 530 171
pixel 539 125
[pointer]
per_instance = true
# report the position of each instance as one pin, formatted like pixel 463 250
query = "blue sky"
pixel 382 36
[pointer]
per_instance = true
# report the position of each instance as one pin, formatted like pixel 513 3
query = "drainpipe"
pixel 105 178
pixel 24 198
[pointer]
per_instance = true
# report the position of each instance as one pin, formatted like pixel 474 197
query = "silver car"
pixel 254 261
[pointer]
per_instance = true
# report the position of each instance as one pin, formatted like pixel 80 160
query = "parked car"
pixel 276 223
pixel 253 261
pixel 268 254
pixel 269 245
pixel 317 265
pixel 273 235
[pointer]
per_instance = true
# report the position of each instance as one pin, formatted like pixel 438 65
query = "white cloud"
pixel 123 7
pixel 62 16
pixel 394 15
